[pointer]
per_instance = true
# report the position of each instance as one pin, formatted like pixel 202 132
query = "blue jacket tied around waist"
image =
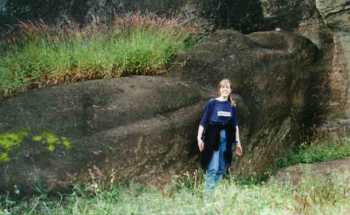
pixel 213 120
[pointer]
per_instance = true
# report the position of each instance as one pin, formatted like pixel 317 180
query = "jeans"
pixel 217 166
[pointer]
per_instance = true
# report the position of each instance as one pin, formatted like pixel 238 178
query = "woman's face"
pixel 225 90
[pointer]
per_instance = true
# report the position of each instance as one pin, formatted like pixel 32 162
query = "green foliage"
pixel 317 152
pixel 51 140
pixel 9 141
pixel 12 140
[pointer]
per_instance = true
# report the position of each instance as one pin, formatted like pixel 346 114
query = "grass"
pixel 38 55
pixel 184 195
pixel 318 151
pixel 313 196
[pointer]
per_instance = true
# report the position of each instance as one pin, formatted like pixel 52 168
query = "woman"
pixel 219 122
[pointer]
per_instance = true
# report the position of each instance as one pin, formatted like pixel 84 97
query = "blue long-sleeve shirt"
pixel 218 112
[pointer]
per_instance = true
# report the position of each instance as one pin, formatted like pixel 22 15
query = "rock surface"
pixel 335 170
pixel 137 128
pixel 326 23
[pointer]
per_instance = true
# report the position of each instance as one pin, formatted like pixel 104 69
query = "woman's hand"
pixel 200 144
pixel 239 149
pixel 199 138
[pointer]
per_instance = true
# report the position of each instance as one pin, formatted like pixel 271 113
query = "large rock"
pixel 325 23
pixel 272 72
pixel 333 29
pixel 138 128
pixel 336 14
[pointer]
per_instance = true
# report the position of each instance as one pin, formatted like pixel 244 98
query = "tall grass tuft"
pixel 39 55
